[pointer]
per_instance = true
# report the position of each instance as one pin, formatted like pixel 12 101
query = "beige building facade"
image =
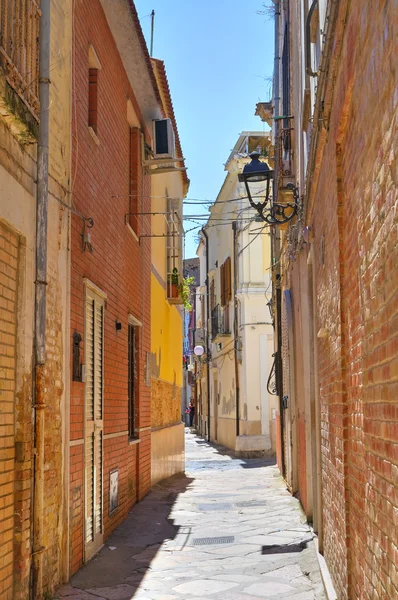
pixel 235 407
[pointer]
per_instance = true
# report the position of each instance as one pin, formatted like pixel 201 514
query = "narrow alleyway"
pixel 226 530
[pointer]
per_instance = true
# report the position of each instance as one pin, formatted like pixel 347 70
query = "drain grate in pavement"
pixel 214 507
pixel 250 503
pixel 210 541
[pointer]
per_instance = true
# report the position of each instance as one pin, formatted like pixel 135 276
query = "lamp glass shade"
pixel 261 176
pixel 198 350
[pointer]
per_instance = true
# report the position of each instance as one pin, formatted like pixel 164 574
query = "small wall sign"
pixel 113 490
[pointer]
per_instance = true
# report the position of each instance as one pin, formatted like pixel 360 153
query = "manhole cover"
pixel 209 541
pixel 214 507
pixel 250 503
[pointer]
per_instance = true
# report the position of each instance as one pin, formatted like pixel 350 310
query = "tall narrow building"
pixel 116 98
pixel 35 215
pixel 235 406
pixel 170 185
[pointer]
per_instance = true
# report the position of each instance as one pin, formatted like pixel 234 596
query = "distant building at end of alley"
pixel 191 269
pixel 233 322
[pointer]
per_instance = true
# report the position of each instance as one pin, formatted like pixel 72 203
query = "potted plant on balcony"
pixel 173 283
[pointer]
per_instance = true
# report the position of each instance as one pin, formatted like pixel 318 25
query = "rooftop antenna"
pixel 152 28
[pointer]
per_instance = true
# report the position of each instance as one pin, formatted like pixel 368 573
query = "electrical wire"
pixel 251 241
pixel 193 201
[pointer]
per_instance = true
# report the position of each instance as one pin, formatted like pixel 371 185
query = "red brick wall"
pixel 119 265
pixel 357 291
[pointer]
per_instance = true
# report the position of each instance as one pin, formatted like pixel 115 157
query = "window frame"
pixel 92 117
pixel 133 379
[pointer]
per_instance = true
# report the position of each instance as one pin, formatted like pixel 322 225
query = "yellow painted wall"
pixel 166 336
pixel 167 436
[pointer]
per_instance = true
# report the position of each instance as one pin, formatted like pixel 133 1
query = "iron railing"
pixel 19 49
pixel 220 321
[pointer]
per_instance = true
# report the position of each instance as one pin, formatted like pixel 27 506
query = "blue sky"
pixel 218 55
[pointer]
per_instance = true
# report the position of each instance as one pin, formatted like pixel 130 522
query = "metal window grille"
pixel 19 49
pixel 220 321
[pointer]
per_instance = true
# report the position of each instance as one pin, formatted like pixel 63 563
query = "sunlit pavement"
pixel 226 530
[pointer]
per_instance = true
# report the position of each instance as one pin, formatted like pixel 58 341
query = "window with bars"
pixel 212 295
pixel 132 378
pixel 19 49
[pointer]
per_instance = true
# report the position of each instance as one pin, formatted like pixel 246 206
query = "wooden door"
pixel 94 346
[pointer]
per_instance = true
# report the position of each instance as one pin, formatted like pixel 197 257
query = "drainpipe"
pixel 207 333
pixel 275 236
pixel 236 331
pixel 39 358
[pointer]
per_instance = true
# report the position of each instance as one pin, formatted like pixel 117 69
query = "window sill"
pixel 175 300
pixel 94 135
pixel 133 441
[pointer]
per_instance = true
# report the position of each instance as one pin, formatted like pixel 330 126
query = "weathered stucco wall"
pixel 165 402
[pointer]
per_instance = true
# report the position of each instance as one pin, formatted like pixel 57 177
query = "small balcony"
pixel 220 325
pixel 19 53
pixel 173 291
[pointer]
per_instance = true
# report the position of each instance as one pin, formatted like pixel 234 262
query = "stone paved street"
pixel 226 530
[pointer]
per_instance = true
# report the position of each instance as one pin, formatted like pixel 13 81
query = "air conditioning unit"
pixel 164 140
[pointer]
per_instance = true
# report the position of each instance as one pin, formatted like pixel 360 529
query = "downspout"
pixel 236 331
pixel 275 236
pixel 207 333
pixel 39 357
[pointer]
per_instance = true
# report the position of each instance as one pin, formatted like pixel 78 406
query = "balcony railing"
pixel 19 49
pixel 220 321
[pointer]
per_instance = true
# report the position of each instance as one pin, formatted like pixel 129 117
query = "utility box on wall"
pixel 164 140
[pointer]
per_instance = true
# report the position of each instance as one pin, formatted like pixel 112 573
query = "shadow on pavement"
pixel 228 454
pixel 284 548
pixel 130 549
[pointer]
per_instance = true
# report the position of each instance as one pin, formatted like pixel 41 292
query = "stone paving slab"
pixel 272 555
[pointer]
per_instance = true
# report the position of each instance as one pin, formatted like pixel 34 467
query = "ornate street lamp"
pixel 271 212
